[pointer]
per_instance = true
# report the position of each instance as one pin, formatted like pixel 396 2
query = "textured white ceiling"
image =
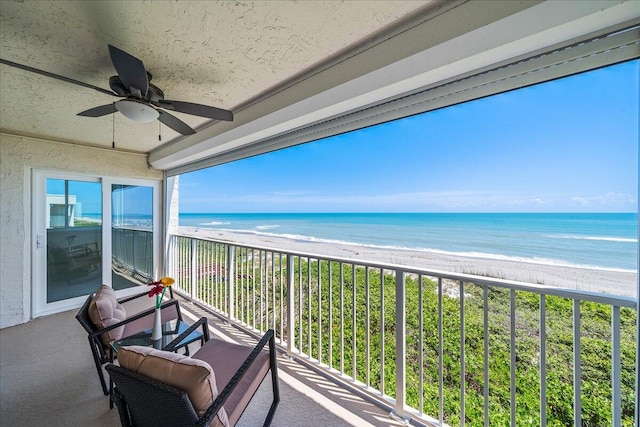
pixel 215 53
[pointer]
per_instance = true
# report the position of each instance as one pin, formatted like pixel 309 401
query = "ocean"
pixel 591 240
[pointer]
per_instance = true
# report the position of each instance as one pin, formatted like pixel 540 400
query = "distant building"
pixel 57 207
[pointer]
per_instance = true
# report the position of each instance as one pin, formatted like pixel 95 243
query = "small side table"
pixel 170 332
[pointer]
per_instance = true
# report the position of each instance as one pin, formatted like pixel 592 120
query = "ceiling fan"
pixel 142 101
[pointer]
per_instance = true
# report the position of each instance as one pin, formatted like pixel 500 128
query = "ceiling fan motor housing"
pixel 154 93
pixel 117 86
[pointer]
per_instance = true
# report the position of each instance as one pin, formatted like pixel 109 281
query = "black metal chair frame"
pixel 166 405
pixel 174 345
pixel 98 348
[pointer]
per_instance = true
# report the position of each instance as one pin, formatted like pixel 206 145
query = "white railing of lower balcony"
pixel 438 347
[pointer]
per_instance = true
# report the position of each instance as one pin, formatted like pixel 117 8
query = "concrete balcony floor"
pixel 47 377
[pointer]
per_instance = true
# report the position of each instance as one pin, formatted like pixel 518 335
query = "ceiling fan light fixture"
pixel 137 111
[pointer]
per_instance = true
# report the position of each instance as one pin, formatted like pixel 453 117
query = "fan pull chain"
pixel 113 128
pixel 159 131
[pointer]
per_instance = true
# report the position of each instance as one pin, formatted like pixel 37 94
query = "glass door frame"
pixel 39 304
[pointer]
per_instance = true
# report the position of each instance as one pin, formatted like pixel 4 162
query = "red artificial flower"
pixel 156 290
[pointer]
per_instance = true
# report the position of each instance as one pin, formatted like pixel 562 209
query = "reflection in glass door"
pixel 74 238
pixel 132 235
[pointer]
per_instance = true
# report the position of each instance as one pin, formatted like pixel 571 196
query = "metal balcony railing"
pixel 439 347
pixel 132 253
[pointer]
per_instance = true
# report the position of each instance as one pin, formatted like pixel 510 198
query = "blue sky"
pixel 568 145
pixel 127 199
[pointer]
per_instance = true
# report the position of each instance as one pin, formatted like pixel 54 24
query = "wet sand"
pixel 586 279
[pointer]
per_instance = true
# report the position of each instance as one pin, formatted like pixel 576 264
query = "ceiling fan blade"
pixel 175 123
pixel 196 109
pixel 131 70
pixel 56 76
pixel 100 111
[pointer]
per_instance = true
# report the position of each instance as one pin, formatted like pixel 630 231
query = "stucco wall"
pixel 18 157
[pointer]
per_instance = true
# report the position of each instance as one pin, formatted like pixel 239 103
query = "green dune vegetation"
pixel 326 296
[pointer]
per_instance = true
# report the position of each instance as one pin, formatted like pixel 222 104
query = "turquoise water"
pixel 606 241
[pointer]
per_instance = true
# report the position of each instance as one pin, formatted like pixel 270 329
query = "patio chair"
pixel 159 388
pixel 101 334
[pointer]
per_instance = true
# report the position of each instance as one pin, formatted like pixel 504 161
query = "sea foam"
pixel 597 238
pixel 466 254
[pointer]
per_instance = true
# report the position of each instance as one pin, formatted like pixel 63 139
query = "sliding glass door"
pixel 131 235
pixel 73 238
pixel 92 230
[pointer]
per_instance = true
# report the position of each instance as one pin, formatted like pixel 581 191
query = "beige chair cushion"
pixel 104 311
pixel 193 376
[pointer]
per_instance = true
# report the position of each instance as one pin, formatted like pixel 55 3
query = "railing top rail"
pixel 133 228
pixel 614 300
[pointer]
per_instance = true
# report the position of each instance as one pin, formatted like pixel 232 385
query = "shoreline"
pixel 586 279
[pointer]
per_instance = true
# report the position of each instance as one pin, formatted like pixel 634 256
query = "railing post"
pixel 616 368
pixel 149 254
pixel 231 275
pixel 577 367
pixel 291 329
pixel 543 361
pixel 401 350
pixel 194 268
pixel 174 253
pixel 134 248
pixel 636 411
pixel 168 263
pixel 512 354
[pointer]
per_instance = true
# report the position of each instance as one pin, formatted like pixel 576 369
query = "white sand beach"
pixel 586 279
